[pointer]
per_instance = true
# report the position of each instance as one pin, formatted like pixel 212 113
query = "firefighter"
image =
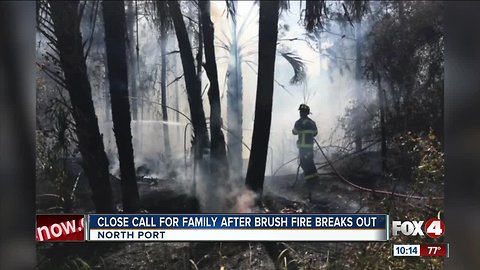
pixel 306 129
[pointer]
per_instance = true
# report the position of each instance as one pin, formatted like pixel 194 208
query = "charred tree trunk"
pixel 132 74
pixel 66 24
pixel 163 85
pixel 192 83
pixel 383 132
pixel 218 162
pixel 358 73
pixel 396 94
pixel 199 57
pixel 267 46
pixel 403 86
pixel 115 34
pixel 164 26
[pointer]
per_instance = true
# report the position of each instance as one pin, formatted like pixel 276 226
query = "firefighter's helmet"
pixel 304 107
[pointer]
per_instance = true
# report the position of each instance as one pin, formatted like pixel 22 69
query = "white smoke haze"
pixel 227 197
pixel 327 91
pixel 245 202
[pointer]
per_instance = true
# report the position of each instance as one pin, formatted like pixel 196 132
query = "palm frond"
pixel 248 20
pixel 231 8
pixel 298 65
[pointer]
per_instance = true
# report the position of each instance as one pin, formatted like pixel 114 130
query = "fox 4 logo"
pixel 434 228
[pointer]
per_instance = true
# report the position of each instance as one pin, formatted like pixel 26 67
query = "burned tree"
pixel 218 162
pixel 132 57
pixel 358 70
pixel 201 140
pixel 267 45
pixel 164 22
pixel 115 33
pixel 68 43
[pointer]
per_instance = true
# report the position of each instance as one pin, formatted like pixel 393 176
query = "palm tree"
pixel 218 162
pixel 164 22
pixel 267 44
pixel 132 58
pixel 383 131
pixel 358 6
pixel 235 95
pixel 68 44
pixel 115 34
pixel 238 49
pixel 192 82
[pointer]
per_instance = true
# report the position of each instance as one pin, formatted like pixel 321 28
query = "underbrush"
pixel 378 255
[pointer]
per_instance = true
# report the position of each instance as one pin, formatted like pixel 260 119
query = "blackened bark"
pixel 267 45
pixel 66 24
pixel 115 34
pixel 163 86
pixel 396 94
pixel 199 57
pixel 164 25
pixel 132 59
pixel 192 82
pixel 218 164
pixel 358 73
pixel 383 132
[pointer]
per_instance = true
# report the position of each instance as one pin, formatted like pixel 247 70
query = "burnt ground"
pixel 329 196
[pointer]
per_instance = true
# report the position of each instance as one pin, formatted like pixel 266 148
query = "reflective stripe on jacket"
pixel 306 129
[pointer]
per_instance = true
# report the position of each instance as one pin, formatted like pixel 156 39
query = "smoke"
pixel 228 197
pixel 327 89
pixel 149 150
pixel 244 202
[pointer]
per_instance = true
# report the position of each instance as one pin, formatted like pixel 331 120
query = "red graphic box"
pixel 60 228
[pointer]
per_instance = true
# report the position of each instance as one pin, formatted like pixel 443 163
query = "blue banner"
pixel 238 221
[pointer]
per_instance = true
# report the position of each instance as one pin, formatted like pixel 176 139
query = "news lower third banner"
pixel 214 227
pixel 238 227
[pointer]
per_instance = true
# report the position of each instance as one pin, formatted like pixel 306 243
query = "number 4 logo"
pixel 435 228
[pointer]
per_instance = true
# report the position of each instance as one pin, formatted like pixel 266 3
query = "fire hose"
pixel 384 192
